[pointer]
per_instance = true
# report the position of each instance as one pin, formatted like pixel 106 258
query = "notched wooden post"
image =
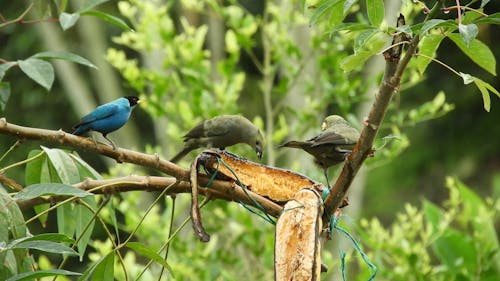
pixel 297 251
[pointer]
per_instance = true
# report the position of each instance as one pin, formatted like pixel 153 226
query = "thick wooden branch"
pixel 218 190
pixel 225 190
pixel 119 154
pixel 390 85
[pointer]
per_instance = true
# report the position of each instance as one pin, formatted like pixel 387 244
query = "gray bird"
pixel 221 132
pixel 332 145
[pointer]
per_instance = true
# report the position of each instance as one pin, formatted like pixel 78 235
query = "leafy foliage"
pixel 434 243
pixel 292 83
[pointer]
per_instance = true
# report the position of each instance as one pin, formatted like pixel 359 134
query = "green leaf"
pixel 355 61
pixel 484 2
pixel 64 56
pixel 428 25
pixel 375 10
pixel 89 4
pixel 475 207
pixel 484 88
pixel 347 5
pixel 68 20
pixel 46 246
pixel 33 169
pixel 468 32
pixel 428 47
pixel 43 189
pixel 41 273
pixel 63 164
pixel 456 250
pixel 4 95
pixel 351 26
pixel 485 94
pixel 84 222
pixel 109 18
pixel 11 218
pixel 323 8
pixel 491 19
pixel 467 78
pixel 433 215
pixel 84 169
pixel 362 38
pixel 66 223
pixel 54 237
pixel 4 67
pixel 39 71
pixel 149 253
pixel 105 269
pixel 477 52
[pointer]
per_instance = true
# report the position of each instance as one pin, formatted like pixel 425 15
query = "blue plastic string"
pixel 334 226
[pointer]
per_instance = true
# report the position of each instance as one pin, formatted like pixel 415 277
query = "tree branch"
pixel 218 189
pixel 390 84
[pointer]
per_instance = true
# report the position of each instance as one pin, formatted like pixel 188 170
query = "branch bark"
pixel 390 84
pixel 218 189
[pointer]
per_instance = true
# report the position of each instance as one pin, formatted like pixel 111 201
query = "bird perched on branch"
pixel 221 132
pixel 332 145
pixel 107 118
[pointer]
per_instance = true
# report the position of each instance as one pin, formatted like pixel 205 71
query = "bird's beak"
pixel 323 126
pixel 141 101
pixel 258 150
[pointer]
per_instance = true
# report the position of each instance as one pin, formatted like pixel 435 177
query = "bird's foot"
pixel 111 142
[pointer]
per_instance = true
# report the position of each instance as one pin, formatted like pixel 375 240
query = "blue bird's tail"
pixel 80 130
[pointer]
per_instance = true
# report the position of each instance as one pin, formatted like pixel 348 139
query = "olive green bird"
pixel 332 145
pixel 221 132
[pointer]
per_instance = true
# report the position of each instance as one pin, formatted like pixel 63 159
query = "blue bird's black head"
pixel 132 100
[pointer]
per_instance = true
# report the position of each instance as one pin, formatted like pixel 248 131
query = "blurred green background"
pixel 192 60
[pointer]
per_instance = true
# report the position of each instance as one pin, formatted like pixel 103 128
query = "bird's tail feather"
pixel 79 130
pixel 294 144
pixel 181 154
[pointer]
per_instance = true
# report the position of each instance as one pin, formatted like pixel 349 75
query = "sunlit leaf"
pixel 355 61
pixel 485 88
pixel 428 47
pixel 375 10
pixel 490 19
pixel 63 164
pixel 84 224
pixel 45 246
pixel 323 8
pixel 32 275
pixel 109 18
pixel 43 189
pixel 104 270
pixel 40 71
pixel 149 253
pixel 456 250
pixel 68 20
pixel 477 52
pixel 430 24
pixel 89 4
pixel 4 67
pixel 468 32
pixel 485 94
pixel 64 56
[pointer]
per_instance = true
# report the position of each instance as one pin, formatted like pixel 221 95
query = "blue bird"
pixel 107 118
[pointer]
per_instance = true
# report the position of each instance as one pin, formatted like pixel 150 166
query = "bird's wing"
pixel 328 138
pixel 209 128
pixel 100 112
pixel 219 126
